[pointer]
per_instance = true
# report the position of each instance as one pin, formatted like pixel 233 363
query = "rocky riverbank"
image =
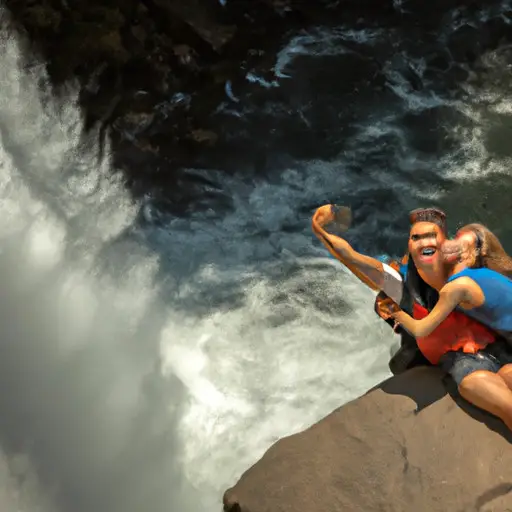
pixel 409 444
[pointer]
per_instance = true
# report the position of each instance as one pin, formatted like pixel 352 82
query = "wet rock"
pixel 133 124
pixel 201 17
pixel 204 136
pixel 42 17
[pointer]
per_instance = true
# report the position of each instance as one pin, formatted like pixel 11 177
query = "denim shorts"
pixel 492 358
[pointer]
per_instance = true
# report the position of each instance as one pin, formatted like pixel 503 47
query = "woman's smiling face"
pixel 463 248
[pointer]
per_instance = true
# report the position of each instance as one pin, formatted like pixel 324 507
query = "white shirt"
pixel 393 283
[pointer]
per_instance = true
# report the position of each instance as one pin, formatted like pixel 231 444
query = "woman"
pixel 478 285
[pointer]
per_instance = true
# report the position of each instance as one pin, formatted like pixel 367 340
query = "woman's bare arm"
pixel 450 296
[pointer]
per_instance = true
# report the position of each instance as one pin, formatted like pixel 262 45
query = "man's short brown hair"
pixel 434 215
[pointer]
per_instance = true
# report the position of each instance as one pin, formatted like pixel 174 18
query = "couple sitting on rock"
pixel 452 297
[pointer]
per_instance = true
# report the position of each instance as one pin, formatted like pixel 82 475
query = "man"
pixel 415 284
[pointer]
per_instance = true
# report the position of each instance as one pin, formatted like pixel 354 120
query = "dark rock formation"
pixel 406 445
pixel 155 70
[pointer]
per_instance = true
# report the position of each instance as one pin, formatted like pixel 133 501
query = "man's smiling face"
pixel 425 241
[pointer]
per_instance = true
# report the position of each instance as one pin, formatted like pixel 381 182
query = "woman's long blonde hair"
pixel 490 252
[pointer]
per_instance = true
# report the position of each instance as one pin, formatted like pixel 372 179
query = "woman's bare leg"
pixel 505 373
pixel 490 392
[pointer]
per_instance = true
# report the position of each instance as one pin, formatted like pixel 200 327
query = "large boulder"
pixel 408 444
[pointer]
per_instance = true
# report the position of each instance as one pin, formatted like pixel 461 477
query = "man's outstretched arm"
pixel 369 270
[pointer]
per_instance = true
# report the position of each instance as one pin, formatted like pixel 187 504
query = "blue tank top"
pixel 496 311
